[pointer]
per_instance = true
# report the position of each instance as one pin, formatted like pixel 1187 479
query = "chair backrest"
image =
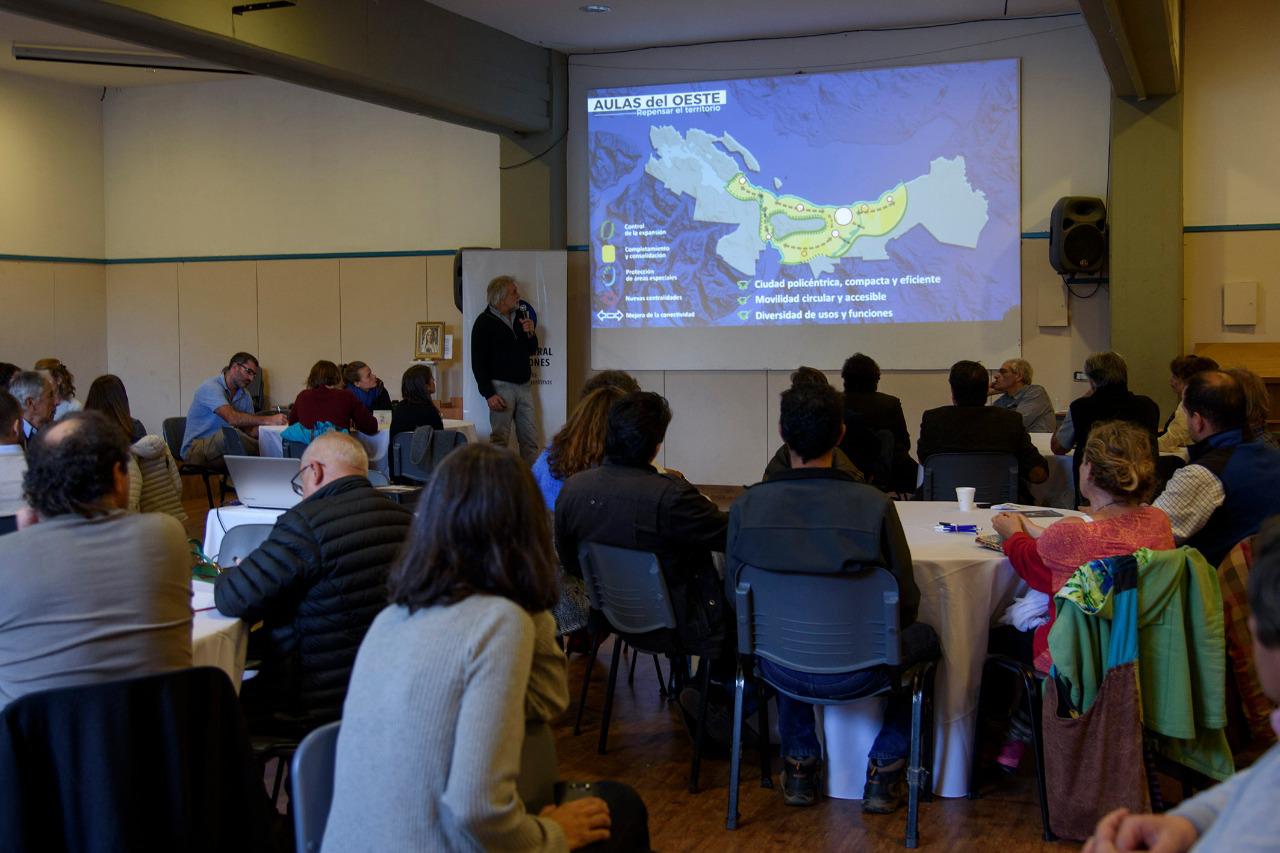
pixel 441 443
pixel 627 587
pixel 819 623
pixel 402 461
pixel 311 786
pixel 232 444
pixel 993 475
pixel 292 449
pixel 174 430
pixel 158 762
pixel 8 524
pixel 241 541
pixel 377 478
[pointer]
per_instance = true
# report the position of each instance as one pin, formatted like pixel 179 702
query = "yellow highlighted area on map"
pixel 801 230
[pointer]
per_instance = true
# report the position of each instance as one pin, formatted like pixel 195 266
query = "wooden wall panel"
pixel 217 317
pixel 382 300
pixel 440 308
pixel 142 339
pixel 80 321
pixel 299 322
pixel 26 323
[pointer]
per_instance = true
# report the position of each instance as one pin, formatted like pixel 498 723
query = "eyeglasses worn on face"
pixel 296 482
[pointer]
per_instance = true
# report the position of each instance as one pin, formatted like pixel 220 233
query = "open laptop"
pixel 263 482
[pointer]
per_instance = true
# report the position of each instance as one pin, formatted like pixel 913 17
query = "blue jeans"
pixel 918 642
pixel 796 721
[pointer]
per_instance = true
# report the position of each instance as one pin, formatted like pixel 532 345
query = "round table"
pixel 216 640
pixel 964 588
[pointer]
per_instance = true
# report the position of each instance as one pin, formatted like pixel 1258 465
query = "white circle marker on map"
pixel 835 233
pixel 843 216
pixel 888 200
pixel 799 207
pixel 742 180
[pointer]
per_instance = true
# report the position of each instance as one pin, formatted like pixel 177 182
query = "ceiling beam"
pixel 404 54
pixel 1140 44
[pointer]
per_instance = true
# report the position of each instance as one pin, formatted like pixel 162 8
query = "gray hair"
pixel 497 289
pixel 28 385
pixel 1022 367
pixel 338 448
pixel 1106 368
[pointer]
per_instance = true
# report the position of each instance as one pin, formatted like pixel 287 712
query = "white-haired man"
pixel 1013 383
pixel 316 582
pixel 502 340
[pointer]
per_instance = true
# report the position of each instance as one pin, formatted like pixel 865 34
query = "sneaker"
pixel 800 778
pixel 886 786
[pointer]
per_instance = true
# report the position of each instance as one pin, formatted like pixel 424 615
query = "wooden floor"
pixel 649 749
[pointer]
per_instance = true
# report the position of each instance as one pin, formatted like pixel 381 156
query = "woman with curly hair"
pixel 578 445
pixel 64 387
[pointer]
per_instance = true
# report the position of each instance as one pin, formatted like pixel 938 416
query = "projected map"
pixel 871 196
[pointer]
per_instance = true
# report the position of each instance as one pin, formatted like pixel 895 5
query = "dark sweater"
pixel 408 415
pixel 338 406
pixel 317 582
pixel 499 352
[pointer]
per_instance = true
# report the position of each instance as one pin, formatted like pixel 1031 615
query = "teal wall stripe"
pixel 418 253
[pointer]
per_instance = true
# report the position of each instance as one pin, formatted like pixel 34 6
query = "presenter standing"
pixel 502 341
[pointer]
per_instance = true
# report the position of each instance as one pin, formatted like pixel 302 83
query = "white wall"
pixel 1231 126
pixel 1065 133
pixel 256 166
pixel 50 168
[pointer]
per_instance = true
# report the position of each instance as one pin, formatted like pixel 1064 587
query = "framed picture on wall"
pixel 428 341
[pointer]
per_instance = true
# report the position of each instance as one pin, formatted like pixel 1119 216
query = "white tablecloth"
pixel 216 640
pixel 963 588
pixel 1060 489
pixel 222 519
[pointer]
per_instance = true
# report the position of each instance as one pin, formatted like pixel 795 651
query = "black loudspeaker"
pixel 457 271
pixel 1078 235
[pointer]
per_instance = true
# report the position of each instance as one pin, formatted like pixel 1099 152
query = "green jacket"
pixel 1165 609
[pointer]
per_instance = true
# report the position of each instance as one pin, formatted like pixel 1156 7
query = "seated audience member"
pixel 781 460
pixel 1174 437
pixel 1239 814
pixel 609 379
pixel 1108 399
pixel 64 387
pixel 369 390
pixel 317 582
pixel 112 597
pixel 626 503
pixel 324 400
pixel 443 731
pixel 34 393
pixel 1257 404
pixel 800 520
pixel 1013 383
pixel 415 408
pixel 969 425
pixel 13 462
pixel 221 401
pixel 7 371
pixel 868 410
pixel 1230 484
pixel 107 395
pixel 1116 477
pixel 578 445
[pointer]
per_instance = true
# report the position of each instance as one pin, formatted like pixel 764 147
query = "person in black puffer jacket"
pixel 316 583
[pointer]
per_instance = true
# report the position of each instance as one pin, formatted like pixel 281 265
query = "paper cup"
pixel 964 497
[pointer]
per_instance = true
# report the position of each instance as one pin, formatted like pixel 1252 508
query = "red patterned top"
pixel 1047 562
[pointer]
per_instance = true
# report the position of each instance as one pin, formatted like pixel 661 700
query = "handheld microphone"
pixel 524 311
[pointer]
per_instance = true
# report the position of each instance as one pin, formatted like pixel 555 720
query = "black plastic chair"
pixel 241 541
pixel 825 624
pixel 1031 696
pixel 994 476
pixel 629 592
pixel 174 430
pixel 443 442
pixel 292 449
pixel 311 786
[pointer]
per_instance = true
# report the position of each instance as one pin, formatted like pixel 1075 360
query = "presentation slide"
pixel 876 207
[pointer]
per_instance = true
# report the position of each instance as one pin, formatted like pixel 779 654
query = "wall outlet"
pixel 1079 376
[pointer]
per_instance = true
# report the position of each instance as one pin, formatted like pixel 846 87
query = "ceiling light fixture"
pixel 120 58
pixel 262 7
pixel 595 8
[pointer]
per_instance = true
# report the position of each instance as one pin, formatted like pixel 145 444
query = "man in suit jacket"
pixel 969 425
pixel 867 412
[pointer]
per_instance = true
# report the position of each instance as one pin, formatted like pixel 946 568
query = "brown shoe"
pixel 886 786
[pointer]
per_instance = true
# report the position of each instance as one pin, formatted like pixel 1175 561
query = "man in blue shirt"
pixel 222 401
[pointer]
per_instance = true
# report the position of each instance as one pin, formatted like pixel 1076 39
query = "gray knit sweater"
pixel 432 729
